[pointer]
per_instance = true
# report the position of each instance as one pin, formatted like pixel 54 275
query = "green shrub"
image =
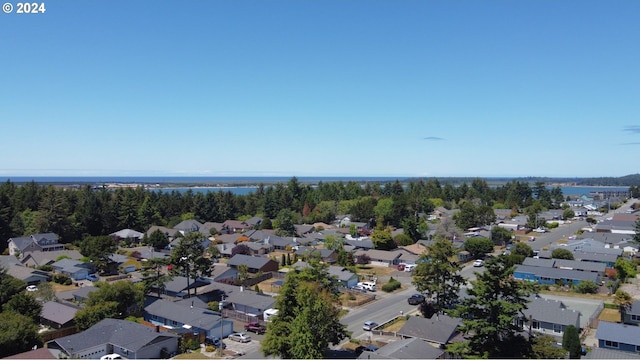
pixel 587 287
pixel 391 285
pixel 552 225
pixel 62 279
pixel 45 267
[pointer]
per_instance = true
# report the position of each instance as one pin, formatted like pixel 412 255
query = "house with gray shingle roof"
pixel 342 275
pixel 254 264
pixel 248 302
pixel 618 336
pixel 326 255
pixel 254 222
pixel 599 353
pixel 76 270
pixel 187 226
pixel 303 229
pixel 110 336
pixel 28 275
pixel 57 315
pixel 39 258
pixel 550 317
pixel 170 233
pixel 35 242
pixel 181 315
pixel 233 226
pixel 608 259
pixel 205 229
pixel 381 257
pixel 410 348
pixel 438 330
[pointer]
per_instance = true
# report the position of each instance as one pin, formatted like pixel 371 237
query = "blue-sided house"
pixel 550 276
pixel 550 317
pixel 618 336
pixel 632 315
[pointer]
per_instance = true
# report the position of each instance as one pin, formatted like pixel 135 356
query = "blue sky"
pixel 321 88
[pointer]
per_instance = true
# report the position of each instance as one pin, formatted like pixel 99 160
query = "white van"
pixel 371 286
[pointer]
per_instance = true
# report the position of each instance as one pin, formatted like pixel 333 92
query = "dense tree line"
pixel 75 213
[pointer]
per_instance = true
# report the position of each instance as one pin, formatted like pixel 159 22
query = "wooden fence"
pixel 59 333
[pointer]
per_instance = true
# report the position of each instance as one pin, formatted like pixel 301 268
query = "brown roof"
pixel 416 248
pixel 41 353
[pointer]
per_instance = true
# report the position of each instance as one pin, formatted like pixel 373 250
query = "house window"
pixel 635 317
pixel 557 328
pixel 611 344
pixel 536 324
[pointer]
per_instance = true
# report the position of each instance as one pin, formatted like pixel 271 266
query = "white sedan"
pixel 32 288
pixel 478 263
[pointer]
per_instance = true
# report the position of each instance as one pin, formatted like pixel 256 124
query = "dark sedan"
pixel 416 299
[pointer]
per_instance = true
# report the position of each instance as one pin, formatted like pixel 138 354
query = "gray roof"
pixel 188 225
pixel 252 262
pixel 380 254
pixel 184 313
pixel 84 291
pixel 341 273
pixel 41 239
pixel 58 312
pixel 360 244
pixel 302 229
pixel 539 262
pixel 552 311
pixel 437 329
pixel 70 266
pixel 558 273
pixel 411 348
pixel 253 221
pixel 581 265
pixel 168 232
pixel 179 283
pixel 127 234
pixel 122 333
pixel 626 334
pixel 595 257
pixel 249 298
pixel 600 353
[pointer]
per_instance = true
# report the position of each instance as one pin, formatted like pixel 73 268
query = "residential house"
pixel 187 226
pixel 341 275
pixel 254 222
pixel 600 353
pixel 207 228
pixel 381 257
pixel 254 264
pixel 178 315
pixel 28 275
pixel 235 226
pixel 111 336
pixel 82 294
pixel 326 255
pixel 439 330
pixel 618 336
pixel 39 258
pixel 360 244
pixel 76 270
pixel 550 276
pixel 259 248
pixel 35 242
pixel 127 235
pixel 228 238
pixel 169 233
pixel 37 354
pixel 304 229
pixel 57 315
pixel 549 317
pixel 632 315
pixel 609 260
pixel 248 302
pixel 595 267
pixel 410 348
pixel 225 250
pixel 179 285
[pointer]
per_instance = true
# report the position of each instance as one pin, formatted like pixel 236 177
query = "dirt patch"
pixel 369 272
pixel 267 285
pixel 632 289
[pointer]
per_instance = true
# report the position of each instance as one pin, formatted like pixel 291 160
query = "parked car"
pixel 255 327
pixel 239 337
pixel 360 349
pixel 215 342
pixel 359 288
pixel 32 288
pixel 409 267
pixel 93 277
pixel 532 238
pixel 369 325
pixel 478 263
pixel 371 286
pixel 416 299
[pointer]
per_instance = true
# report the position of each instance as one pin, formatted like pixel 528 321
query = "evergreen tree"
pixel 307 321
pixel 494 301
pixel 438 275
pixel 571 342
